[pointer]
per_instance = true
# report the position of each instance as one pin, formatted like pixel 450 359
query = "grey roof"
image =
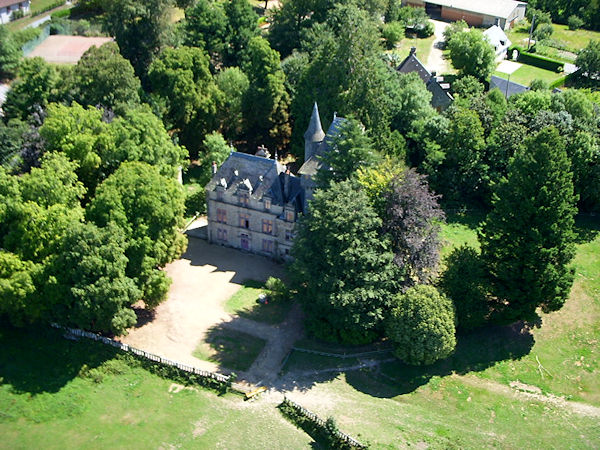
pixel 260 176
pixel 313 164
pixel 412 64
pixel 494 8
pixel 506 87
pixel 314 133
pixel 440 98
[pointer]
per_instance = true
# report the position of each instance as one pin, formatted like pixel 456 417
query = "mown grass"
pixel 574 40
pixel 229 348
pixel 57 394
pixel 423 47
pixel 467 400
pixel 526 74
pixel 244 303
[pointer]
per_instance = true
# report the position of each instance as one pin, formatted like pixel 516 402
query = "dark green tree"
pixel 588 59
pixel 472 54
pixel 205 26
pixel 464 281
pixel 242 26
pixel 350 149
pixel 265 106
pixel 182 78
pixel 18 288
pixel 342 269
pixel 103 77
pixel 421 326
pixel 140 29
pixel 527 238
pixel 11 141
pixel 35 85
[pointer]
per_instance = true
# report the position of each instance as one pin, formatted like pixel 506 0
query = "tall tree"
pixel 472 54
pixel 242 26
pixel 140 29
pixel 527 238
pixel 266 103
pixel 234 84
pixel 205 26
pixel 182 78
pixel 348 150
pixel 342 267
pixel 89 288
pixel 149 208
pixel 10 54
pixel 412 222
pixel 103 77
pixel 35 86
pixel 588 59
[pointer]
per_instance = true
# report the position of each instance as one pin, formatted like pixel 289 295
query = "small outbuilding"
pixel 477 13
pixel 8 7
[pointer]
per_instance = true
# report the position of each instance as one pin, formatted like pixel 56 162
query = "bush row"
pixel 532 59
pixel 37 12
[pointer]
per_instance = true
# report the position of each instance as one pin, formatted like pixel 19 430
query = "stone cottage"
pixel 253 202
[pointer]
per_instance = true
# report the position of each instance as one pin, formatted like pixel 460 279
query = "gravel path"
pixel 435 61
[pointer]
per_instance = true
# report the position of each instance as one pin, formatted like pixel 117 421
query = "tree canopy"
pixel 527 238
pixel 472 54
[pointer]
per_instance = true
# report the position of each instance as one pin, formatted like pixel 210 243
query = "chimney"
pixel 413 50
pixel 214 168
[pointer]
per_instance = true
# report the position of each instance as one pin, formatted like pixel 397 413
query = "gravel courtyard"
pixel 204 278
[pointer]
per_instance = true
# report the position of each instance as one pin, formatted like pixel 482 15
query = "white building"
pixel 8 7
pixel 497 37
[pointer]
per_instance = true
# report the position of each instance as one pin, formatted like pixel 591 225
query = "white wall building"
pixel 8 7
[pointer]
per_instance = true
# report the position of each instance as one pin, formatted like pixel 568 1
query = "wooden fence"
pixel 149 356
pixel 321 423
pixel 342 355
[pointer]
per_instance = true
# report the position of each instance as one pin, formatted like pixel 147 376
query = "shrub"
pixel 393 33
pixel 538 85
pixel 421 326
pixel 18 14
pixel 538 61
pixel 426 31
pixel 277 290
pixel 574 22
pixel 543 31
pixel 464 282
pixel 60 14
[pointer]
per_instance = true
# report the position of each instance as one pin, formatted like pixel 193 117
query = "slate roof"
pixel 313 164
pixel 314 132
pixel 494 8
pixel 261 176
pixel 501 83
pixel 440 98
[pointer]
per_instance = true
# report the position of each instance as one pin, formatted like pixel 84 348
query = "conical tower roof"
pixel 314 133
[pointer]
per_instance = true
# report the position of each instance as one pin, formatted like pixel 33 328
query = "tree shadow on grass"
pixel 37 360
pixel 475 352
pixel 586 228
pixel 232 350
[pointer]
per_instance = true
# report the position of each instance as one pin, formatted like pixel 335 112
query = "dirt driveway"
pixel 436 62
pixel 203 279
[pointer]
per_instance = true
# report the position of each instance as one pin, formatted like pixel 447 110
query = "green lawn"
pixel 574 40
pixel 244 303
pixel 59 394
pixel 526 74
pixel 466 401
pixel 229 348
pixel 423 47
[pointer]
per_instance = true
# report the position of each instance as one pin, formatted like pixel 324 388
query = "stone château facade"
pixel 253 202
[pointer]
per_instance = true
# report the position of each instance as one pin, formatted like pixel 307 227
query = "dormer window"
pixel 290 216
pixel 243 198
pixel 267 201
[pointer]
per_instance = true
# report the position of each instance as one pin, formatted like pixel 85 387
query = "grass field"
pixel 467 400
pixel 229 348
pixel 244 303
pixel 526 74
pixel 59 394
pixel 574 40
pixel 423 47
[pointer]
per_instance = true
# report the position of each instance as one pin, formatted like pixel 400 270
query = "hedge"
pixel 532 59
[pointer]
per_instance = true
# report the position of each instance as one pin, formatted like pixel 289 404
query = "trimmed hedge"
pixel 532 59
